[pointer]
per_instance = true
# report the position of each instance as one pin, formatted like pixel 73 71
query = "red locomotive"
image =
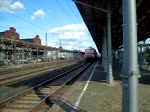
pixel 90 54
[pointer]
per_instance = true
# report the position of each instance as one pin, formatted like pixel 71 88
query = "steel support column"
pixel 104 52
pixel 109 78
pixel 141 58
pixel 130 70
pixel 124 75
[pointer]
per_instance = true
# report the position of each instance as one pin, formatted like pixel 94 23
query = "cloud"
pixel 69 32
pixel 17 6
pixel 38 14
pixel 6 6
pixel 66 28
pixel 73 36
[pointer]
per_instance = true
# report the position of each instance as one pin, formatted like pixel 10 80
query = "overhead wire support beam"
pixel 78 2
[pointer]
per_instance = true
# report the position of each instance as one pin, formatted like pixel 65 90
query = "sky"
pixel 60 19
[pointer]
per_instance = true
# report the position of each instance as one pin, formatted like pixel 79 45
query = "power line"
pixel 68 13
pixel 74 14
pixel 32 8
pixel 23 19
pixel 65 11
pixel 29 5
pixel 77 18
pixel 3 26
pixel 72 11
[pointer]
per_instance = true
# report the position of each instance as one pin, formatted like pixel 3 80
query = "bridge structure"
pixel 115 24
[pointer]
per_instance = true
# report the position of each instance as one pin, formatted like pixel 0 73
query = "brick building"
pixel 10 34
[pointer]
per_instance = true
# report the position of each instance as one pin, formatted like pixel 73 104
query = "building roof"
pixel 95 19
pixel 27 40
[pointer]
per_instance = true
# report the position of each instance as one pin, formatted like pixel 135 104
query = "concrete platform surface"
pixel 91 94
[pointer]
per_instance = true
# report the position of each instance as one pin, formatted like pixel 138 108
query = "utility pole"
pixel 45 46
pixel 60 43
pixel 46 38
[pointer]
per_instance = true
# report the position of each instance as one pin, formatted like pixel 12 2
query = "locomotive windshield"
pixel 89 51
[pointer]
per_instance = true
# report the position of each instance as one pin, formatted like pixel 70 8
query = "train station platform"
pixel 91 93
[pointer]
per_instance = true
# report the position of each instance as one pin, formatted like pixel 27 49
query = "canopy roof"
pixel 94 16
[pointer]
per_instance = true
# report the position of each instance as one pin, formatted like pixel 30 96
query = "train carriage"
pixel 90 54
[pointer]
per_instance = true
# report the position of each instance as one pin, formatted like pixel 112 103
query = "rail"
pixel 40 95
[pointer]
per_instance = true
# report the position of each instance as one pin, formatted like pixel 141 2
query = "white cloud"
pixel 6 6
pixel 72 27
pixel 17 6
pixel 69 32
pixel 38 14
pixel 74 36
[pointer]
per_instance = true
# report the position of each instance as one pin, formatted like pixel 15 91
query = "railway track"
pixel 31 72
pixel 17 68
pixel 41 97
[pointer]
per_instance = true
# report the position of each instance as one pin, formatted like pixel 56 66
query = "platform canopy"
pixel 94 16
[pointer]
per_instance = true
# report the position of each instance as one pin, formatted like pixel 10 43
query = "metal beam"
pixel 78 2
pixel 143 45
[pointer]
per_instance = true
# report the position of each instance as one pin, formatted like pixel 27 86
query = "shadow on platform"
pixel 100 75
pixel 67 107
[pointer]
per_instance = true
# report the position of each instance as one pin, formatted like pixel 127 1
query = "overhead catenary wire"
pixel 89 34
pixel 31 7
pixel 63 8
pixel 73 11
pixel 65 11
pixel 23 19
pixel 1 26
pixel 77 18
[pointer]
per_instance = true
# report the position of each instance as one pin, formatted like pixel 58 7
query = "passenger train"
pixel 90 54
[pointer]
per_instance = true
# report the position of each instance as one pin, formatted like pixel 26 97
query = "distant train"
pixel 90 54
